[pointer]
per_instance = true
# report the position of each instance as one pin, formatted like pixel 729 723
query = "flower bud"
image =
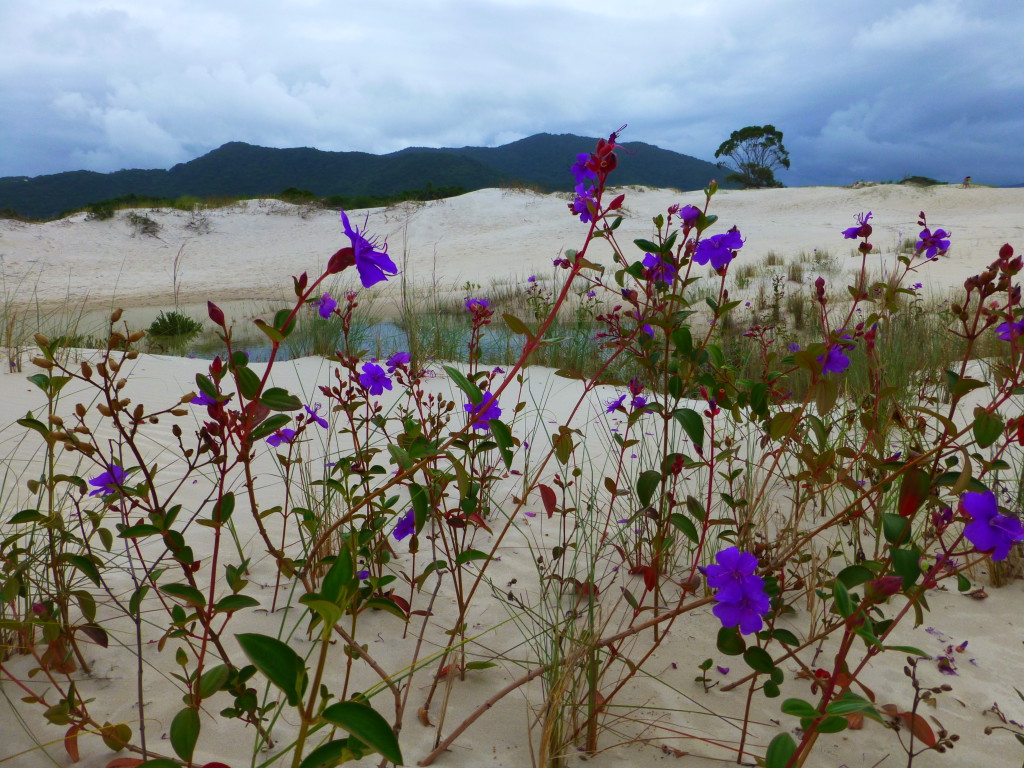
pixel 216 313
pixel 1006 251
pixel 881 589
pixel 342 259
pixel 41 340
pixel 116 315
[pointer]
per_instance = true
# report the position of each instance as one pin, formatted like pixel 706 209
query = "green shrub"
pixel 175 324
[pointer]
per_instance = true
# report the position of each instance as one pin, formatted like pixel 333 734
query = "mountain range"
pixel 237 169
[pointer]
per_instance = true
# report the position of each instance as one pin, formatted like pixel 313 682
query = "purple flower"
pixel 483 412
pixel 109 482
pixel 915 287
pixel 362 575
pixel 326 306
pixel 406 526
pixel 1005 331
pixel 580 171
pixel 659 270
pixel 373 265
pixel 834 361
pixel 398 359
pixel 733 574
pixel 374 379
pixel 202 399
pixel 988 530
pixel 591 294
pixel 281 436
pixel 745 612
pixel 531 279
pixel 477 305
pixel 741 597
pixel 863 229
pixel 689 214
pixel 794 347
pixel 719 249
pixel 639 401
pixel 932 243
pixel 585 198
pixel 613 405
pixel 314 415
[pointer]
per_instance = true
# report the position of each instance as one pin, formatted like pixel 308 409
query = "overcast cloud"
pixel 872 90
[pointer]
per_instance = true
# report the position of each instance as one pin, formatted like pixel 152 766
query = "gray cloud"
pixel 866 91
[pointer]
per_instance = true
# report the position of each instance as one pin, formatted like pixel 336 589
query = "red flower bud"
pixel 881 589
pixel 1006 251
pixel 216 313
pixel 342 259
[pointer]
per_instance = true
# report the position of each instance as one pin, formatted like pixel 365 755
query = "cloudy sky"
pixel 876 89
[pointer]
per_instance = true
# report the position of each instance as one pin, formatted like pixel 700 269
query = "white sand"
pixel 483 237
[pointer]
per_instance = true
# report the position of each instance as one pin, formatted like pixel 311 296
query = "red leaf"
pixel 650 578
pixel 71 743
pixel 920 727
pixel 915 487
pixel 548 497
pixel 124 762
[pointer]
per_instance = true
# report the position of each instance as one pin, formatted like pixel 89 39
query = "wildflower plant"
pixel 418 488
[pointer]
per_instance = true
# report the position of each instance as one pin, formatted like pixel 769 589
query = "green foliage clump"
pixel 174 324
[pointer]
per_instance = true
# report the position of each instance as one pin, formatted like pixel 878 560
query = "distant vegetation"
pixel 353 179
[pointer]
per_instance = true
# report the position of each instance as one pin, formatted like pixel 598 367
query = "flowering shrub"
pixel 411 498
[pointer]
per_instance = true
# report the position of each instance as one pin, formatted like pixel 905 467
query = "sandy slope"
pixel 484 237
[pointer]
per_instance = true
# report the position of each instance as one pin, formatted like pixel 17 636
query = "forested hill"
pixel 237 169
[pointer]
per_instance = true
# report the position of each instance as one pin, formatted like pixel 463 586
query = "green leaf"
pixel 213 679
pixel 503 437
pixel 771 689
pixel 842 599
pixel 277 399
pixel 363 722
pixel 386 605
pixel 185 593
pixel 248 382
pixel 517 326
pixel 26 516
pixel 327 755
pixel 987 427
pixel 185 733
pixel 832 724
pixel 799 708
pixel 206 386
pixel 272 333
pixel 469 555
pixel 785 637
pixel 84 564
pixel 160 762
pixel 758 659
pixel 224 507
pixel 647 246
pixel 782 424
pixel 280 318
pixel 235 603
pixel 854 575
pixel 269 426
pixel 692 424
pixel 895 528
pixel 905 563
pixel 400 456
pixel 480 665
pixel 849 703
pixel 686 526
pixel 472 390
pixel 730 642
pixel 646 485
pixel 278 663
pixel 780 751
